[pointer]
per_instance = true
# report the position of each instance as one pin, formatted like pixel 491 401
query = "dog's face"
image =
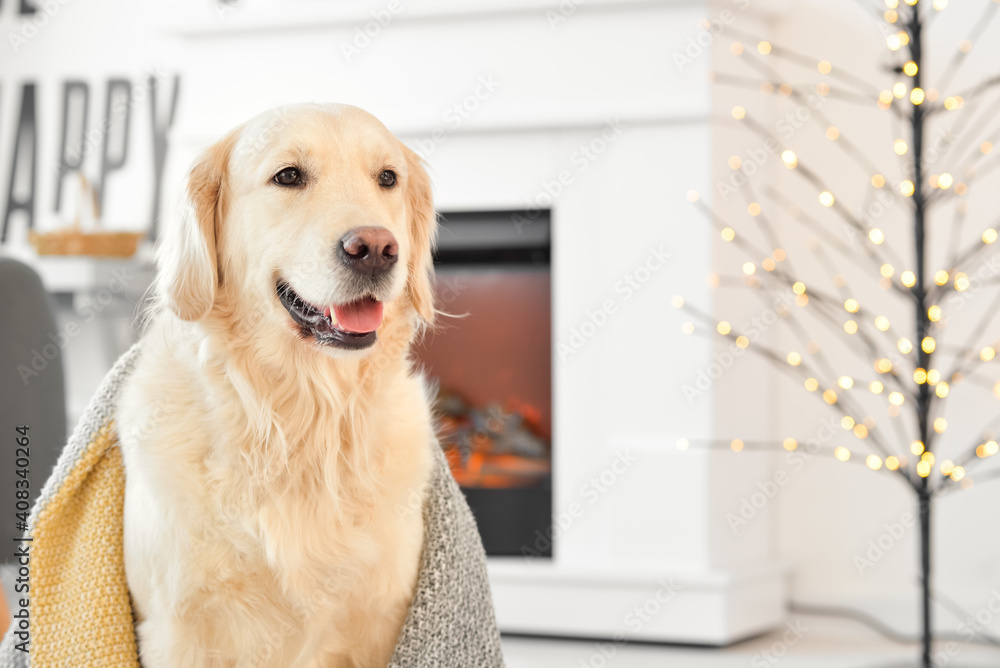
pixel 315 220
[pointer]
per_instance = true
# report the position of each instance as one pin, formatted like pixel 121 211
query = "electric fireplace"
pixel 491 358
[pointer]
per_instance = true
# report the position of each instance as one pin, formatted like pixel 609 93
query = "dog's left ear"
pixel 422 223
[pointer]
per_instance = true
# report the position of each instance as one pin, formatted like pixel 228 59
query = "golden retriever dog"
pixel 276 438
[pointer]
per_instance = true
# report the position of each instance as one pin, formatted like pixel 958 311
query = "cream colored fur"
pixel 274 486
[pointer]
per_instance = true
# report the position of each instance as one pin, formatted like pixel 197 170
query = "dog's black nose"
pixel 371 251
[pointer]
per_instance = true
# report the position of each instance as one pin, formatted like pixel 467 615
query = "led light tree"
pixel 914 365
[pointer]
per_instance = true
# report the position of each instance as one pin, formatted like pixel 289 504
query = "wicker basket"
pixel 74 241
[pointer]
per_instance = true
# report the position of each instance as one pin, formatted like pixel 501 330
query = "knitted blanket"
pixel 80 613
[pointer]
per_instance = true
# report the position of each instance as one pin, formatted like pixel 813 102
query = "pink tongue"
pixel 360 317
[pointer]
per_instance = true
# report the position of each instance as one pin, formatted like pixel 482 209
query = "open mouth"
pixel 350 326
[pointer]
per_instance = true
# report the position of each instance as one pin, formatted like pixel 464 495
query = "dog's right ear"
pixel 187 260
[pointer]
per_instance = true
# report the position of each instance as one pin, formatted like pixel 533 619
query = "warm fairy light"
pixel 812 384
pixel 847 422
pixel 961 188
pixel 987 354
pixel 736 48
pixel 940 276
pixel 842 453
pixel 908 278
pixel 940 425
pixel 790 444
pixel 989 236
pixel 712 279
pixel 890 16
pixel 851 327
pixel 990 448
pixel 884 99
pixel 958 473
pixel 910 69
pixel 829 396
pixel 900 147
pixel 677 301
pixel 947 466
pixel 945 181
pixel 802 300
pixel 874 462
pixel 904 37
pixel 928 344
pixel 941 389
pixel 896 398
pixel 892 4
pixel 953 103
pixel 883 365
pixel 845 382
pixel 839 280
pixel 899 89
pixel 851 306
pixel 917 96
pixel 753 208
pixel 768 264
pixel 764 48
pixel 688 328
pixel 893 42
pixel 878 181
pixel 904 345
pixel 939 4
pixel 933 376
pixel 826 198
pixel 882 323
pixel 742 342
pixel 739 112
pixel 876 236
pixel 798 287
pixel 723 328
pixel 824 67
pixel 736 445
pixel 832 133
pixel 861 431
pixel 749 268
pixel 892 462
pixel 778 255
pixel 692 196
pixel 986 147
pixel 961 282
pixel 923 469
pixel 965 46
pixel 728 233
pixel 906 187
pixel 789 158
pixel 934 313
pixel 876 387
pixel 683 444
pixel 920 376
pixel 794 358
pixel 735 162
pixel 887 270
pixel 785 90
pixel 917 448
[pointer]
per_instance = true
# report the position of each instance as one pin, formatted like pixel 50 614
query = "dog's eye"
pixel 289 176
pixel 387 179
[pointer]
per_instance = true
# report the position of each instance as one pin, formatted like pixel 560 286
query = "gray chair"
pixel 32 389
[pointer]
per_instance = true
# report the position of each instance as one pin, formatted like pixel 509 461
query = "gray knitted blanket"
pixel 450 622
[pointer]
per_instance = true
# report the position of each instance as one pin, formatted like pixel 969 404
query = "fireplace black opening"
pixel 491 358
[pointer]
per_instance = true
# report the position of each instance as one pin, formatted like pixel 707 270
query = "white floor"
pixel 808 642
